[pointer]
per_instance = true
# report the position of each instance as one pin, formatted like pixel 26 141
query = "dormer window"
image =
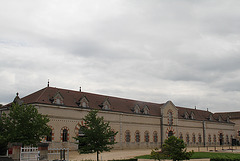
pixel 83 102
pixel 211 117
pixel 186 116
pixel 137 109
pixel 106 105
pixel 146 110
pixel 220 119
pixel 192 116
pixel 58 99
pixel 228 119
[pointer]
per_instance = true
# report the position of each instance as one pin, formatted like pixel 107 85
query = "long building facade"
pixel 139 124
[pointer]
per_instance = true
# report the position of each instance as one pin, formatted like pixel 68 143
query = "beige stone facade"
pixel 139 124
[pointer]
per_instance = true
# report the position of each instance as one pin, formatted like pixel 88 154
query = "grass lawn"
pixel 200 155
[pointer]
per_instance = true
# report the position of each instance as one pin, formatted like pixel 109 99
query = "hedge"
pixel 225 159
pixel 132 159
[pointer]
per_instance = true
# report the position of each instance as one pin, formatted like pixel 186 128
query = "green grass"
pixel 143 157
pixel 200 155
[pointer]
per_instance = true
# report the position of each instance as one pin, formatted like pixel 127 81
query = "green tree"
pixel 24 124
pixel 176 149
pixel 157 155
pixel 3 140
pixel 97 135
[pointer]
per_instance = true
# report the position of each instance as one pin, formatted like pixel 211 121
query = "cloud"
pixel 184 51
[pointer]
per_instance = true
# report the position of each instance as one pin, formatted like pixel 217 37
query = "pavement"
pixel 113 154
pixel 116 154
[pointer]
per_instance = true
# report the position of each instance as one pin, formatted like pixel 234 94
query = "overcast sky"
pixel 185 51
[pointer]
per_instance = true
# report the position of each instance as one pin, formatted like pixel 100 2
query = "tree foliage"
pixel 97 135
pixel 3 140
pixel 157 155
pixel 176 149
pixel 24 124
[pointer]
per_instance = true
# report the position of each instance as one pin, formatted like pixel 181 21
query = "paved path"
pixel 116 154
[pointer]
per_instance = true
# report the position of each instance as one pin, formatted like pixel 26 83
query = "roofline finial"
pixel 80 89
pixel 48 83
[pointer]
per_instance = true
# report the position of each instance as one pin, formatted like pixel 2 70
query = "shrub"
pixel 225 159
pixel 132 159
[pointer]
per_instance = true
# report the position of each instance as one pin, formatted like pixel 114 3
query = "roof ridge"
pixel 193 109
pixel 116 97
pixel 227 112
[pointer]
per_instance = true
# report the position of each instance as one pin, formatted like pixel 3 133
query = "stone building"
pixel 139 124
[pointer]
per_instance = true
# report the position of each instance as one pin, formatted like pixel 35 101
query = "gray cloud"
pixel 184 51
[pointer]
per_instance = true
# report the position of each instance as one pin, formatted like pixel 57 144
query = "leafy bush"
pixel 158 155
pixel 175 149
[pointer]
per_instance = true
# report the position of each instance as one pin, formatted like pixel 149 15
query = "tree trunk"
pixel 97 156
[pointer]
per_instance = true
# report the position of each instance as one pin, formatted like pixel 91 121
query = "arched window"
pixel 199 138
pixel 214 139
pixel 180 136
pixel 227 139
pixel 112 138
pixel 49 137
pixel 170 118
pixel 146 135
pixel 155 137
pixel 65 135
pixel 80 131
pixel 193 138
pixel 170 133
pixel 221 140
pixel 209 139
pixel 187 138
pixel 127 136
pixel 137 136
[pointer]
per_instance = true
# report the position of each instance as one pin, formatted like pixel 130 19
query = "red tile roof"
pixel 231 115
pixel 71 97
pixel 198 114
pixel 44 95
